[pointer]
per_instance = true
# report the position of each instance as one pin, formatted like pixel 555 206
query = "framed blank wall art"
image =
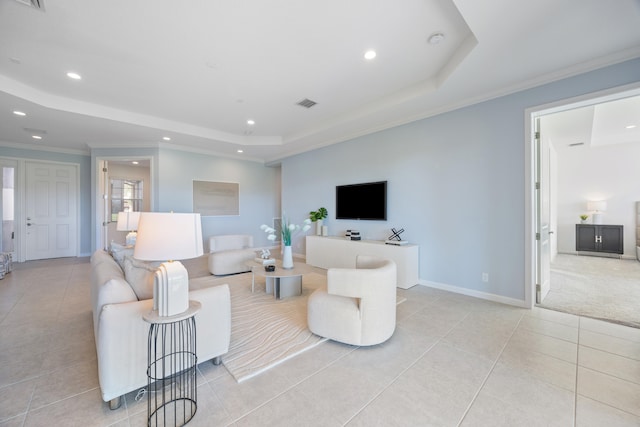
pixel 216 198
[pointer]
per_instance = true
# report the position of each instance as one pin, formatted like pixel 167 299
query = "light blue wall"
pixel 456 184
pixel 259 191
pixel 85 185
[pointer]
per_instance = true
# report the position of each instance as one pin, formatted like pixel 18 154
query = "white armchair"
pixel 229 254
pixel 358 306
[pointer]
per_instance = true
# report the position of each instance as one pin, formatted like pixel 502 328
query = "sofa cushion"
pixel 99 257
pixel 118 252
pixel 107 284
pixel 140 275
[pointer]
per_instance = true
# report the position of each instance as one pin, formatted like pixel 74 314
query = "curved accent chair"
pixel 358 306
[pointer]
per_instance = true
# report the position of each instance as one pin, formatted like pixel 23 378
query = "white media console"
pixel 339 252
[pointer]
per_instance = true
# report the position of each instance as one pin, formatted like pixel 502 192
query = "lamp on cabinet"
pixel 597 207
pixel 128 221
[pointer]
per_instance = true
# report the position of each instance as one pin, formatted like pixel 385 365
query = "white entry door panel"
pixel 51 210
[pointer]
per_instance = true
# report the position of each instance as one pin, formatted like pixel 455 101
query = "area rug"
pixel 265 331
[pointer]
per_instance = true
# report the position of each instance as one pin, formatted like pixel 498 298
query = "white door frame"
pixel 97 239
pixel 530 217
pixel 12 162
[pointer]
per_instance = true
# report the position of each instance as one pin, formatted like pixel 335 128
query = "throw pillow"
pixel 140 275
pixel 118 252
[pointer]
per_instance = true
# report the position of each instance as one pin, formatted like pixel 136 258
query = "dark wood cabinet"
pixel 599 238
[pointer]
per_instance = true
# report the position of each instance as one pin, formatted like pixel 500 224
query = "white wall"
pixel 610 173
pixel 456 184
pixel 259 191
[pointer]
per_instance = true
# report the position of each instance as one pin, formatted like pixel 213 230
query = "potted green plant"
pixel 583 219
pixel 318 217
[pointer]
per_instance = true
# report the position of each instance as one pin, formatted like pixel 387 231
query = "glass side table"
pixel 171 372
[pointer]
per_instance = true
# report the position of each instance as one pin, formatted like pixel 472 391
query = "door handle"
pixel 551 232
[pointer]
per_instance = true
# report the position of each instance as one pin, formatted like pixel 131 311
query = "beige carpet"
pixel 597 287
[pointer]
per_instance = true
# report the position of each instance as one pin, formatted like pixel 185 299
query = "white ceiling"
pixel 196 71
pixel 597 125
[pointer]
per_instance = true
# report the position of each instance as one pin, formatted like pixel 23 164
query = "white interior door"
pixel 543 214
pixel 51 210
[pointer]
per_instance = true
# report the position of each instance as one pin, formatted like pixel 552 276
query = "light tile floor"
pixel 453 361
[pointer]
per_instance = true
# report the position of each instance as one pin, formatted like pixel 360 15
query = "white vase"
pixel 319 227
pixel 287 258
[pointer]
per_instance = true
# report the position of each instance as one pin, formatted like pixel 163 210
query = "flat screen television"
pixel 366 201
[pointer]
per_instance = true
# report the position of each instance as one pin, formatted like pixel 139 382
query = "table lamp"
pixel 597 207
pixel 128 221
pixel 169 237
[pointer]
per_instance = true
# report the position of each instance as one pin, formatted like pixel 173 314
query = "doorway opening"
pixel 123 184
pixel 568 186
pixel 7 206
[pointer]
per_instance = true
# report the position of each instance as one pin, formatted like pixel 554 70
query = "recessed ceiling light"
pixel 19 113
pixel 370 54
pixel 630 126
pixel 74 76
pixel 135 163
pixel 166 138
pixel 251 122
pixel 36 137
pixel 240 151
pixel 435 38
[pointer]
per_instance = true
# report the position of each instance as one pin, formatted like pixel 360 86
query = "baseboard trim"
pixel 473 293
pixel 599 254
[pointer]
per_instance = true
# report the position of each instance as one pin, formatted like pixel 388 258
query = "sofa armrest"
pixel 123 335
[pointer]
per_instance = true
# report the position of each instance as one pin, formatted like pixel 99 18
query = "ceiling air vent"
pixel 35 131
pixel 38 4
pixel 307 103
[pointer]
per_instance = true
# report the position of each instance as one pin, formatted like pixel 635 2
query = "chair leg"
pixel 115 403
pixel 217 360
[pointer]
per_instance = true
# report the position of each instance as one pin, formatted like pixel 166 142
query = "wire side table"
pixel 171 372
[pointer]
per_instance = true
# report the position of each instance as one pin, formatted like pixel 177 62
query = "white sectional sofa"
pixel 120 296
pixel 228 254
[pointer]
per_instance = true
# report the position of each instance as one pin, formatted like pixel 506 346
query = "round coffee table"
pixel 283 282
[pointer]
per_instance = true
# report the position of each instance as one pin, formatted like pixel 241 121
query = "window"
pixel 126 196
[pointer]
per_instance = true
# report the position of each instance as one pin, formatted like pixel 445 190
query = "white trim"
pixel 45 148
pixel 473 293
pixel 530 114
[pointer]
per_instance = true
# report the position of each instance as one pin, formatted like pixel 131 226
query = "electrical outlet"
pixel 485 277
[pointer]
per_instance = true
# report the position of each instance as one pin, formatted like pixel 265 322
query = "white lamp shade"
pixel 128 221
pixel 168 236
pixel 597 206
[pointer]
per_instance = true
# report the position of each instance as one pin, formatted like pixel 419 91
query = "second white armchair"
pixel 358 306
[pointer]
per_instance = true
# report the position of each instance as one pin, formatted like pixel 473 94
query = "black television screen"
pixel 362 201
